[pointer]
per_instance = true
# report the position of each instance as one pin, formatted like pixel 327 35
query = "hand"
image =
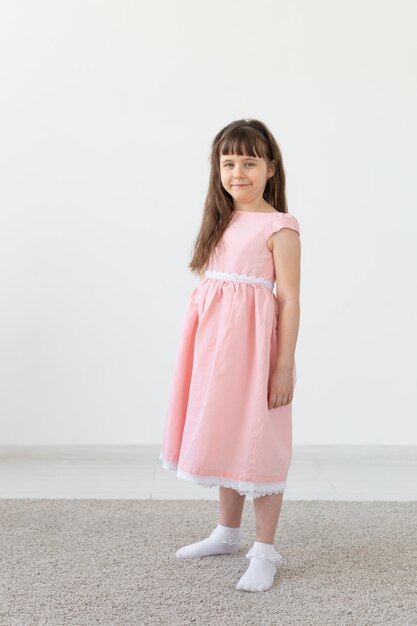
pixel 280 387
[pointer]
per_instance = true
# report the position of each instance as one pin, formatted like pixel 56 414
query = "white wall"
pixel 108 110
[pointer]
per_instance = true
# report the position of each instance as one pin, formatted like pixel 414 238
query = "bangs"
pixel 244 141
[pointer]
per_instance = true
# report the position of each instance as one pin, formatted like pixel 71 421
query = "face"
pixel 244 177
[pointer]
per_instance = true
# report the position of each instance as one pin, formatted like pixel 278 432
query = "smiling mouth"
pixel 241 185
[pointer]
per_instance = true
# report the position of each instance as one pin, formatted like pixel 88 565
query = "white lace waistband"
pixel 243 278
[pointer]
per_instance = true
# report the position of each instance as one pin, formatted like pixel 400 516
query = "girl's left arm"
pixel 287 260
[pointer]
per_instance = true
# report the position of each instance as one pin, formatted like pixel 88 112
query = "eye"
pixel 248 163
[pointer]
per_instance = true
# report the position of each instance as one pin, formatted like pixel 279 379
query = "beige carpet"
pixel 112 562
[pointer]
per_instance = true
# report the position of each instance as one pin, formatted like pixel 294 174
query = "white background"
pixel 108 111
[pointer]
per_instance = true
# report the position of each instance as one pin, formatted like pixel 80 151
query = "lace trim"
pixel 256 490
pixel 224 537
pixel 260 553
pixel 243 278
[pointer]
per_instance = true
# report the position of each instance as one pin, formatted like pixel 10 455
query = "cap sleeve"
pixel 283 220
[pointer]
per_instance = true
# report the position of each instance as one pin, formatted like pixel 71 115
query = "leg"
pixel 225 538
pixel 231 507
pixel 267 512
pixel 261 571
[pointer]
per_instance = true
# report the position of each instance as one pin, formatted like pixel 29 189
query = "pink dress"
pixel 218 428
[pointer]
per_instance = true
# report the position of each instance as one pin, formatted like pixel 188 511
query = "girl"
pixel 229 418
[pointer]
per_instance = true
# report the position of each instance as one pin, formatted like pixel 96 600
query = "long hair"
pixel 247 137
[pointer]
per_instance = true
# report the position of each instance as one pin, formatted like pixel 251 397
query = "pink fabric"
pixel 218 425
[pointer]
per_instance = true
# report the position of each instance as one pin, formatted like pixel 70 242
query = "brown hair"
pixel 247 137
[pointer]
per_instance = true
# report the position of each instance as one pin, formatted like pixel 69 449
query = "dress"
pixel 218 428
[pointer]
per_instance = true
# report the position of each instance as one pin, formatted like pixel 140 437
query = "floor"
pixel 134 472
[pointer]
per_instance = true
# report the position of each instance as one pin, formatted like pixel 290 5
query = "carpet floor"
pixel 111 562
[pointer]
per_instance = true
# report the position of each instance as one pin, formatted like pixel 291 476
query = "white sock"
pixel 261 571
pixel 223 540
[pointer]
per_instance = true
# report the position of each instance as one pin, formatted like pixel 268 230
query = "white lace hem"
pixel 256 490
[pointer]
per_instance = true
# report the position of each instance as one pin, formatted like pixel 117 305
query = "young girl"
pixel 229 418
